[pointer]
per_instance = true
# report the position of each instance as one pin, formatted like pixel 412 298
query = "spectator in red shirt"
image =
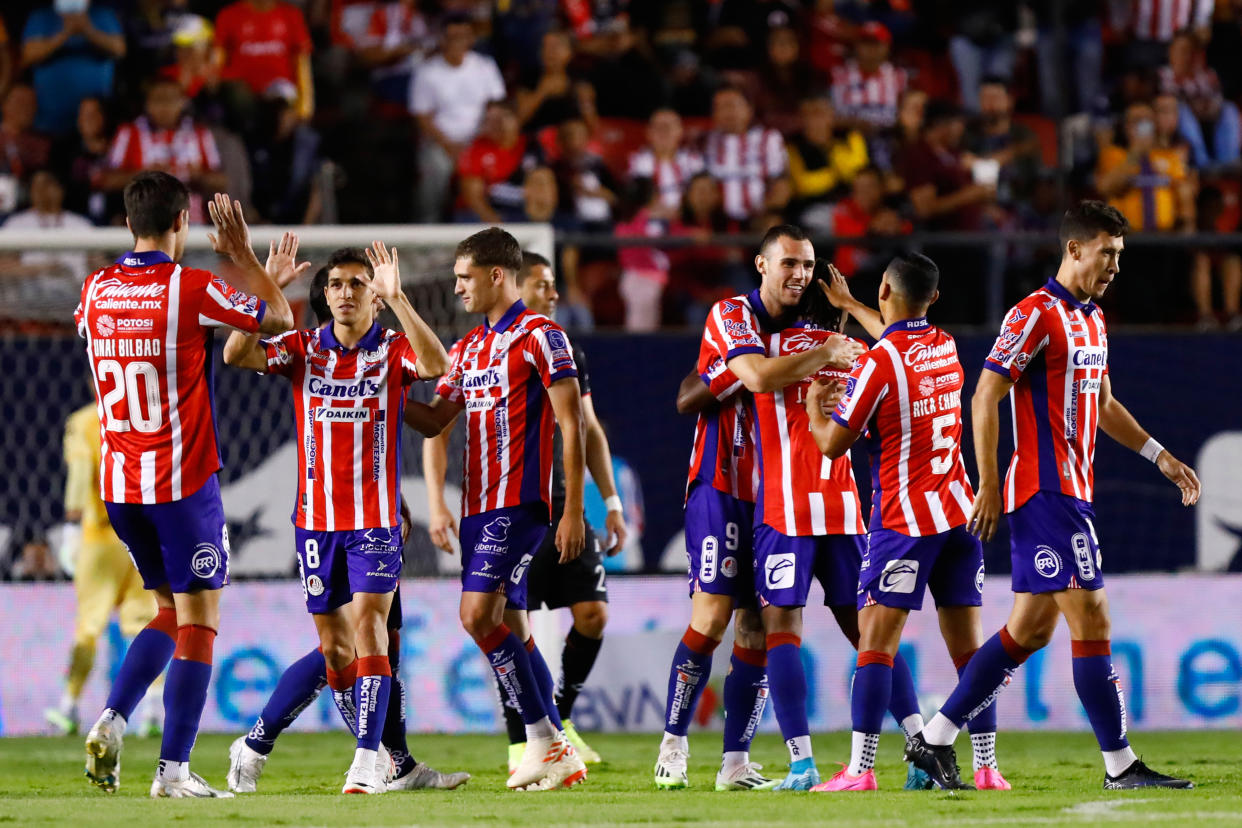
pixel 864 213
pixel 397 39
pixel 263 47
pixel 492 168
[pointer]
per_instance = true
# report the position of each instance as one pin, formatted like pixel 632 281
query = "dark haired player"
pixel 349 382
pixel 1052 361
pixel 149 324
pixel 510 374
pixel 579 584
pixel 906 394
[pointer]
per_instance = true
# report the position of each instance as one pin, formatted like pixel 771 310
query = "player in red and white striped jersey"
pixel 867 89
pixel 350 379
pixel 148 325
pixel 510 375
pixel 1052 361
pixel 906 393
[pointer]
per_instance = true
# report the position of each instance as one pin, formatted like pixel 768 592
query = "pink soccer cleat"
pixel 990 779
pixel 843 781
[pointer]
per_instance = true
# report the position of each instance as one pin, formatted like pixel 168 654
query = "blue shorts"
pixel 184 544
pixel 897 569
pixel 720 544
pixel 784 567
pixel 497 547
pixel 335 565
pixel 1053 546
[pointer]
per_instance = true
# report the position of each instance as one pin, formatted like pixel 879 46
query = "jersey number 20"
pixel 127 381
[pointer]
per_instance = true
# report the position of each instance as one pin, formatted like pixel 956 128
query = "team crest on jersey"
pixel 314 585
pixel 927 386
pixel 206 560
pixel 105 325
pixel 370 359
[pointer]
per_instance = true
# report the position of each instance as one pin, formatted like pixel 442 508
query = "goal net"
pixel 46 377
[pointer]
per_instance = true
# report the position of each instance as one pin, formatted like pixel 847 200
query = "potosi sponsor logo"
pixel 927 386
pixel 105 325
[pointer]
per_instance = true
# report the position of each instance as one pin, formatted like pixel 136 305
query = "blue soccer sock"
pixel 745 697
pixel 982 726
pixel 988 672
pixel 512 666
pixel 342 684
pixel 904 700
pixel 543 679
pixel 147 656
pixel 371 692
pixel 297 689
pixel 1099 690
pixel 394 723
pixel 869 697
pixel 185 691
pixel 788 682
pixel 692 664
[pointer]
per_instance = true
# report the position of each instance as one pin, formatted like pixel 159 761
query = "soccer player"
pixel 303 680
pixel 1052 360
pixel 509 375
pixel 579 584
pixel 906 394
pixel 104 577
pixel 350 380
pixel 148 324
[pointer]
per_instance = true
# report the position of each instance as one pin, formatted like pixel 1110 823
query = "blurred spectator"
pixel 700 275
pixel 644 271
pixel 995 138
pixel 47 210
pixel 1227 262
pixel 263 50
pixel 868 88
pixel 149 29
pixel 1069 48
pixel 1207 121
pixel 193 67
pixel 1146 182
pixel 84 156
pixel 584 179
pixel 71 49
pixel 784 80
pixel 397 40
pixel 981 45
pixel 864 213
pixel 889 145
pixel 822 162
pixel 1168 115
pixel 690 86
pixel 541 203
pixel 448 96
pixel 546 96
pixel 829 35
pixel 21 148
pixel 165 138
pixel 628 84
pixel 1151 25
pixel 518 27
pixel 36 562
pixel 941 187
pixel 492 168
pixel 663 166
pixel 741 30
pixel 747 159
pixel 6 59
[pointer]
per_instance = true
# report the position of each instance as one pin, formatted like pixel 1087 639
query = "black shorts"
pixel 561 585
pixel 394 612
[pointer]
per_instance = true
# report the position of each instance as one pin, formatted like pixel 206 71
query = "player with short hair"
pixel 301 683
pixel 1052 360
pixel 579 584
pixel 349 380
pixel 148 324
pixel 905 393
pixel 509 375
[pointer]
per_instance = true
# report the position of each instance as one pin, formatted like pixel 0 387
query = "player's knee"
pixel 337 654
pixel 477 623
pixel 591 618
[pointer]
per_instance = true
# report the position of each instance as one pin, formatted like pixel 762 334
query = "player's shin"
pixel 185 695
pixel 982 726
pixel 873 682
pixel 577 659
pixel 147 656
pixel 692 664
pixel 297 689
pixel 511 663
pixel 1099 690
pixel 904 702
pixel 543 679
pixel 745 697
pixel 371 692
pixel 342 684
pixel 787 678
pixel 987 674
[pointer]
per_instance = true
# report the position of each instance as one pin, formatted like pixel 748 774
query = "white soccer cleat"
pixel 363 776
pixel 192 787
pixel 103 751
pixel 547 764
pixel 671 769
pixel 245 766
pixel 385 766
pixel 589 754
pixel 568 770
pixel 745 777
pixel 424 776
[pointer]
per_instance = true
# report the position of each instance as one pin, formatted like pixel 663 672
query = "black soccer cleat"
pixel 938 761
pixel 1139 775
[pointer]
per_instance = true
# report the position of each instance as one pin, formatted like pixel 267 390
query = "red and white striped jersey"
pixel 349 404
pixel 872 98
pixel 499 375
pixel 1160 19
pixel 185 151
pixel 723 456
pixel 148 326
pixel 668 175
pixel 906 392
pixel 1055 349
pixel 801 492
pixel 743 164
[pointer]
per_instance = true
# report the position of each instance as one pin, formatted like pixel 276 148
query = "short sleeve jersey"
pixel 723 455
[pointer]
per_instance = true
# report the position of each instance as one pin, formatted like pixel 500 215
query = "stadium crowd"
pixel 653 119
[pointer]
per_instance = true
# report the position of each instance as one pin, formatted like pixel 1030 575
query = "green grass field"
pixel 1056 776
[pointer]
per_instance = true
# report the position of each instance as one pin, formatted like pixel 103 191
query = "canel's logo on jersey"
pixel 921 352
pixel 1090 357
pixel 114 288
pixel 342 390
pixel 486 378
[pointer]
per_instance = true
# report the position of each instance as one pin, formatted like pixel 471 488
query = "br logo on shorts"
pixel 498 530
pixel 314 585
pixel 1047 562
pixel 206 560
pixel 520 569
pixel 780 570
pixel 901 575
pixel 707 560
pixel 979 579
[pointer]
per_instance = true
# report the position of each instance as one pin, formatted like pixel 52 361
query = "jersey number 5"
pixel 126 386
pixel 942 442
